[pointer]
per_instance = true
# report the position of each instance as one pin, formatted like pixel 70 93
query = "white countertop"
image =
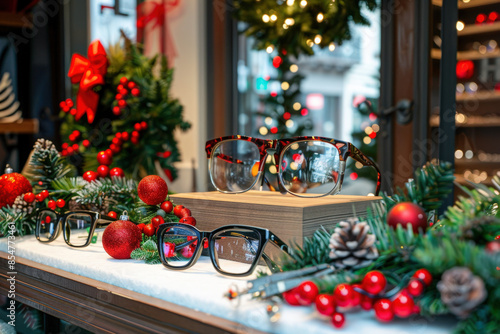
pixel 201 288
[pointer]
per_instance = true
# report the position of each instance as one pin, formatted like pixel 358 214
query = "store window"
pixel 335 98
pixel 107 21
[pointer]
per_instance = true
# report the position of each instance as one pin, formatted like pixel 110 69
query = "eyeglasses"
pixel 78 226
pixel 235 250
pixel 306 166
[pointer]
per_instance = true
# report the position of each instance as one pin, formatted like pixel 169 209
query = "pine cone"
pixel 352 246
pixel 461 291
pixel 45 147
pixel 21 206
pixel 75 206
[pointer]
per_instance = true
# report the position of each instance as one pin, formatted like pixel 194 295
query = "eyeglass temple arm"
pixel 360 157
pixel 273 238
pixel 107 220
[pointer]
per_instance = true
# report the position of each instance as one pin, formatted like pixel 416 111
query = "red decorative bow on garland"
pixel 89 73
pixel 156 13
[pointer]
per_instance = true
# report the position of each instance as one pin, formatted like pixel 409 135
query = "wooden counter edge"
pixel 105 308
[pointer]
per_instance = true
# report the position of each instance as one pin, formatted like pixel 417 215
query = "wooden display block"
pixel 288 216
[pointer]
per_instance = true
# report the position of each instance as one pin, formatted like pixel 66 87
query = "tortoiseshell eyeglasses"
pixel 305 166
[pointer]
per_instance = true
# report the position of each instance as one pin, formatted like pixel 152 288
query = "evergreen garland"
pixel 148 252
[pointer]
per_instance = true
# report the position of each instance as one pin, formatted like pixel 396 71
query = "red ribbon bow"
pixel 89 73
pixel 156 13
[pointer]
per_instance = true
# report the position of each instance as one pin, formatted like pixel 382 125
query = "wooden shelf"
pixel 479 96
pixel 468 55
pixel 470 4
pixel 15 20
pixel 459 178
pixel 476 162
pixel 24 126
pixel 473 29
pixel 472 121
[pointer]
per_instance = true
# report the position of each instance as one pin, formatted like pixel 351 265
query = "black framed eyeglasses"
pixel 305 166
pixel 78 227
pixel 235 250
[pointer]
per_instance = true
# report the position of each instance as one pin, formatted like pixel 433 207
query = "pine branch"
pixel 148 252
pixel 23 223
pixel 314 251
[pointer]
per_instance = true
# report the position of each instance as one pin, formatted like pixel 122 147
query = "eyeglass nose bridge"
pixel 273 152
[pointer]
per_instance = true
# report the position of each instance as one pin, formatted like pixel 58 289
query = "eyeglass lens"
pixel 310 167
pixel 234 165
pixel 179 246
pixel 47 225
pixel 77 228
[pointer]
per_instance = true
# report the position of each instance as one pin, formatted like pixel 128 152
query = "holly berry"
pixel 45 193
pixel 325 304
pixel 402 306
pixel 184 213
pixel 291 297
pixel 149 230
pixel 188 220
pixel 112 214
pixel 374 282
pixel 86 143
pixel 52 204
pixel 307 292
pixel 117 171
pixel 60 203
pixel 90 176
pixel 366 303
pixel 167 206
pixel 104 158
pixel 383 310
pixel 123 80
pixel 144 125
pixel 338 320
pixel 408 213
pixel 131 85
pixel 137 127
pixel 135 92
pixel 168 248
pixel 177 210
pixel 157 221
pixel 114 148
pixel 356 296
pixel 424 275
pixel 343 295
pixel 492 247
pixel 415 287
pixel 116 141
pixel 125 136
pixel 39 197
pixel 29 197
pixel 109 152
pixel 103 170
pixel 141 227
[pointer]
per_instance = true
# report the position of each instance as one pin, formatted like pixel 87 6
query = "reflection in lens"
pixel 236 249
pixel 234 165
pixel 47 225
pixel 77 228
pixel 179 246
pixel 310 168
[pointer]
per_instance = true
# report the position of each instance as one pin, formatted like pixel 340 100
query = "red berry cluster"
pixel 138 127
pixel 72 147
pixel 165 154
pixel 67 105
pixel 183 213
pixel 42 196
pixel 104 158
pixel 348 296
pixel 122 91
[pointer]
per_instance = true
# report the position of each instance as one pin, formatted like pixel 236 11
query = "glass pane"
pixel 234 165
pixel 236 250
pixel 310 167
pixel 179 246
pixel 77 229
pixel 47 226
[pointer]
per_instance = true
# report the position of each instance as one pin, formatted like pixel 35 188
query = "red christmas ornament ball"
pixel 157 221
pixel 117 171
pixel 291 297
pixel 338 320
pixel 188 220
pixel 307 292
pixel 120 238
pixel 149 230
pixel 383 310
pixel 343 295
pixel 105 158
pixel 403 305
pixel 407 213
pixel 325 304
pixel 152 190
pixel 374 282
pixel 112 214
pixel 11 186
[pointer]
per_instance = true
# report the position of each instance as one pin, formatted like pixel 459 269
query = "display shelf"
pixel 472 121
pixel 460 179
pixel 24 126
pixel 468 55
pixel 479 96
pixel 15 20
pixel 473 29
pixel 470 4
pixel 476 162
